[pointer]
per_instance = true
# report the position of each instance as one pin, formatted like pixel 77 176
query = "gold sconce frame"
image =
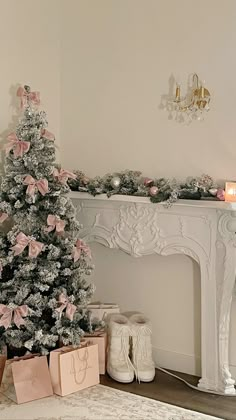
pixel 192 106
pixel 200 97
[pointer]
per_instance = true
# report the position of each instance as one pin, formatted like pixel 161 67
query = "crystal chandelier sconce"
pixel 193 106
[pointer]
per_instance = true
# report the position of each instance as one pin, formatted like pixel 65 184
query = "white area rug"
pixel 96 403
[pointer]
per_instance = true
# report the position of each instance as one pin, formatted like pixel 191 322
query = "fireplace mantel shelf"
pixel 214 204
pixel 203 230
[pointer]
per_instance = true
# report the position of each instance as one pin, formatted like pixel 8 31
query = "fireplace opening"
pixel 167 290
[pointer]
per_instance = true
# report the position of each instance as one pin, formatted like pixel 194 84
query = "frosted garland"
pixel 158 190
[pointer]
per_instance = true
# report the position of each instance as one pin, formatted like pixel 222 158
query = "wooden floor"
pixel 170 390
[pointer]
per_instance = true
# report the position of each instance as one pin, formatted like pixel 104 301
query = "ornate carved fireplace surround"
pixel 203 230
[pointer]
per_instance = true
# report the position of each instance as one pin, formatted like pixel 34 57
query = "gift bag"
pixel 26 379
pixel 3 358
pixel 74 369
pixel 99 338
pixel 100 311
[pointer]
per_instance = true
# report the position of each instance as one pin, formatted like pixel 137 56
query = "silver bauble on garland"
pixel 115 182
pixel 213 191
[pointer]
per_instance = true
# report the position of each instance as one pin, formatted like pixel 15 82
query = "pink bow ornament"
pixel 3 217
pixel 63 175
pixel 79 247
pixel 54 222
pixel 147 182
pixel 19 147
pixel 47 135
pixel 220 194
pixel 23 241
pixel 41 185
pixel 25 97
pixel 65 304
pixel 15 316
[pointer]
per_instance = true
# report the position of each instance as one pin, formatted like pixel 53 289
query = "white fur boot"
pixel 119 365
pixel 142 348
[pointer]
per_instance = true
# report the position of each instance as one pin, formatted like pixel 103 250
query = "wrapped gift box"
pixel 101 311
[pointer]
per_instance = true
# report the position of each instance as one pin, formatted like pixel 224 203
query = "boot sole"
pixel 118 380
pixel 147 380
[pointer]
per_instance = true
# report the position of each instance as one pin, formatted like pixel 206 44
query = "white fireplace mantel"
pixel 203 230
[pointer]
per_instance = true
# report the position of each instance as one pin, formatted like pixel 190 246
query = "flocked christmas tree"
pixel 43 263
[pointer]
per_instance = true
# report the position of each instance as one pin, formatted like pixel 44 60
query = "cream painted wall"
pixel 117 58
pixel 30 54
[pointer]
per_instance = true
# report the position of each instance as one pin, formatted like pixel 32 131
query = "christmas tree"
pixel 43 263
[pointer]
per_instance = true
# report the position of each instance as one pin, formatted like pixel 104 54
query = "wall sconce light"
pixel 192 106
pixel 230 191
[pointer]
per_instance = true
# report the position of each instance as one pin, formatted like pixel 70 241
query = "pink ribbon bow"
pixel 54 222
pixel 65 303
pixel 22 240
pixel 3 217
pixel 13 315
pixel 41 185
pixel 63 175
pixel 19 147
pixel 220 194
pixel 25 97
pixel 79 247
pixel 47 135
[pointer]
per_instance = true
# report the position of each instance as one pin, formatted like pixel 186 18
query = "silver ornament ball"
pixel 28 113
pixel 115 182
pixel 213 191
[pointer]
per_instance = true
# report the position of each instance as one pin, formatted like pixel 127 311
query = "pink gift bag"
pixel 73 369
pixel 26 379
pixel 101 340
pixel 3 359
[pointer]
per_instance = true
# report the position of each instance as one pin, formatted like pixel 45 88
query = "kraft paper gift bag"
pixel 74 369
pixel 26 379
pixel 99 338
pixel 100 311
pixel 3 358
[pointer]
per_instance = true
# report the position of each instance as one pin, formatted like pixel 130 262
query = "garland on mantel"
pixel 159 190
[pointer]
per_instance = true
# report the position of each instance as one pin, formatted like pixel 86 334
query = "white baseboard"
pixel 176 361
pixel 179 362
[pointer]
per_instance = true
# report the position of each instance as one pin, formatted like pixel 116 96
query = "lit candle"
pixel 230 191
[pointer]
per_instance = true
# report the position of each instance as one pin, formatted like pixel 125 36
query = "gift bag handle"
pixel 104 316
pixel 84 360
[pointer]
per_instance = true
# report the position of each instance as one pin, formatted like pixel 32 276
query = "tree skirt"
pixel 96 403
